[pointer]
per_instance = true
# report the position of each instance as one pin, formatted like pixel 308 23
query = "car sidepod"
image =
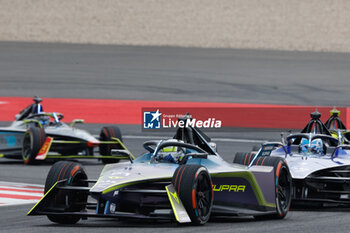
pixel 244 192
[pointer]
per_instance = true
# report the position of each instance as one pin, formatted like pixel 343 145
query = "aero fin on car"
pixel 44 200
pixel 44 149
pixel 179 210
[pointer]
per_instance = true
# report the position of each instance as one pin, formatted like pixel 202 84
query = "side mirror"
pixel 81 121
pixel 122 154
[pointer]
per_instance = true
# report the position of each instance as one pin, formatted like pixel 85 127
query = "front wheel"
pixel 33 140
pixel 69 201
pixel 244 158
pixel 194 187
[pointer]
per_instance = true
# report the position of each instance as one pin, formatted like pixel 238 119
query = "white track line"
pixel 21 188
pixel 19 193
pixel 16 184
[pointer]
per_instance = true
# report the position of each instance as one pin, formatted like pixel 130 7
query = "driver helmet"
pixel 44 120
pixel 316 146
pixel 172 154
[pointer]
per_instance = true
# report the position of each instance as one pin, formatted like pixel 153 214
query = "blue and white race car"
pixel 319 164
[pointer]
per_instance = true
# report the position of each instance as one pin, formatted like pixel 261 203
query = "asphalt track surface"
pixel 187 74
pixel 163 73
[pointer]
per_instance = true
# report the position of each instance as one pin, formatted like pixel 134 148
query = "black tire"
pixel 283 183
pixel 33 140
pixel 244 158
pixel 194 187
pixel 73 173
pixel 256 147
pixel 106 134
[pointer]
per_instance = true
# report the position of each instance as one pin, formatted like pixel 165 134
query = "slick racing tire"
pixel 33 140
pixel 283 185
pixel 244 158
pixel 283 180
pixel 256 147
pixel 194 187
pixel 69 201
pixel 106 134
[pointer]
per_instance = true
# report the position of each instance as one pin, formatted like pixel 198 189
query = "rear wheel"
pixel 106 134
pixel 244 158
pixel 33 140
pixel 283 185
pixel 67 201
pixel 194 187
pixel 283 191
pixel 256 147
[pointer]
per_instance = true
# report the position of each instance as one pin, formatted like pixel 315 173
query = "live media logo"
pixel 152 120
pixel 157 120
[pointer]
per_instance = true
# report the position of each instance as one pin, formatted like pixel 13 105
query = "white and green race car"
pixel 36 135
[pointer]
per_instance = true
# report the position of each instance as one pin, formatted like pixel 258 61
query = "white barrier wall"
pixel 320 25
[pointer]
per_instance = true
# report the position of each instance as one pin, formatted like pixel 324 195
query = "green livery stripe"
pixel 33 121
pixel 109 142
pixel 120 142
pixel 245 175
pixel 30 211
pixel 129 183
pixel 120 186
pixel 83 142
pixel 85 157
pixel 68 142
pixel 251 179
pixel 116 141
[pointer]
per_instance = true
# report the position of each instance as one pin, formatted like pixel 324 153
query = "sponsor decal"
pixel 266 150
pixel 176 198
pixel 229 188
pixel 11 139
pixel 44 149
